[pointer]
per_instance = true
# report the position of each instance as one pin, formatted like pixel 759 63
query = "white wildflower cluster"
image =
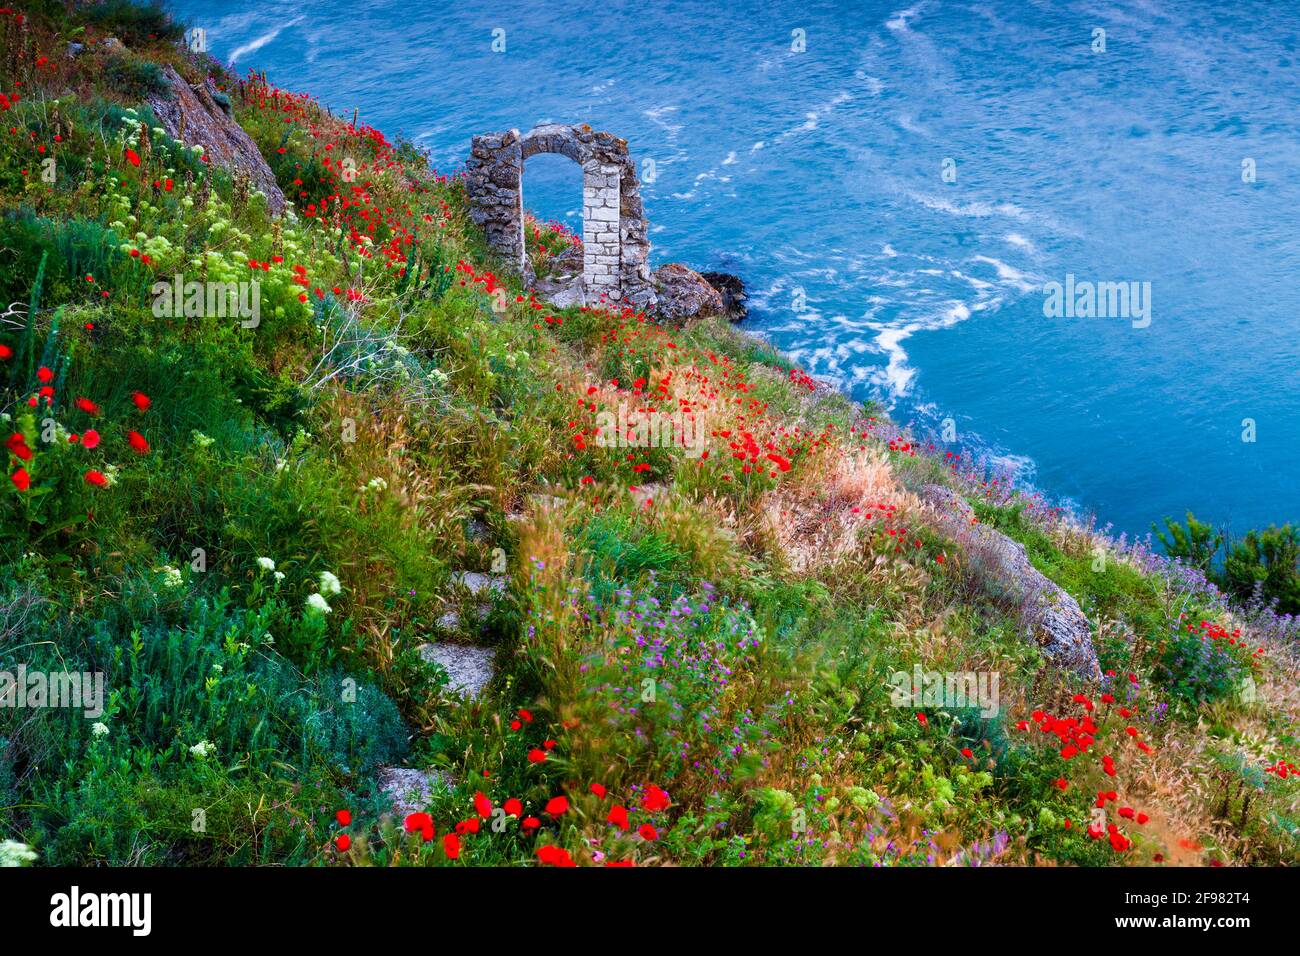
pixel 99 729
pixel 266 564
pixel 329 586
pixel 200 439
pixel 376 484
pixel 202 749
pixel 13 853
pixel 171 577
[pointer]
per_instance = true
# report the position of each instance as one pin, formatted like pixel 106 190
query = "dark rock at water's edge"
pixel 684 294
pixel 732 289
pixel 193 115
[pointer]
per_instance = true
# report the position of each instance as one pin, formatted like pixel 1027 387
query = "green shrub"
pixel 133 77
pixel 1196 544
pixel 201 713
pixel 1270 561
pixel 135 24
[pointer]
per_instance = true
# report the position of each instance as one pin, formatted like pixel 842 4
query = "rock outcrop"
pixel 192 115
pixel 1050 616
pixel 732 290
pixel 684 294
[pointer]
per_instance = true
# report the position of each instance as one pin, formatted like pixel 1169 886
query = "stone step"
pixel 469 669
pixel 478 583
pixel 412 790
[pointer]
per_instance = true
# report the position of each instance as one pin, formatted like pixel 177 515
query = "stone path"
pixel 469 671
pixel 468 668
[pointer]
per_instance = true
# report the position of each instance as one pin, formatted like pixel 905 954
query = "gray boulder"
pixel 1050 616
pixel 192 115
pixel 684 294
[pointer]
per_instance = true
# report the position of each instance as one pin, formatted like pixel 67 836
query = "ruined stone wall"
pixel 615 236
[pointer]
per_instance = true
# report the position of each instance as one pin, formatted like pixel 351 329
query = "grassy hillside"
pixel 253 531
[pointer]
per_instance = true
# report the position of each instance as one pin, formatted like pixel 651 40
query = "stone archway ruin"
pixel 615 236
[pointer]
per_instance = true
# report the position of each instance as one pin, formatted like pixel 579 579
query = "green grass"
pixel 392 429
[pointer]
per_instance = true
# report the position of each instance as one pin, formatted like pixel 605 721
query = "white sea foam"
pixel 898 19
pixel 1009 274
pixel 252 46
pixel 977 209
pixel 1020 242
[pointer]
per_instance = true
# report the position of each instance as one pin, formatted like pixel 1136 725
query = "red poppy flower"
pixel 344 817
pixel 343 842
pixel 598 790
pixel 44 375
pixel 22 481
pixel 655 799
pixel 554 856
pixel 513 807
pixel 536 756
pixel 132 157
pixel 467 826
pixel 482 805
pixel 647 832
pixel 557 805
pixel 6 352
pixel 451 846
pixel 529 823
pixel 89 438
pixel 618 817
pixel 17 446
pixel 141 400
pixel 87 406
pixel 137 443
pixel 421 823
pixel 525 716
pixel 96 478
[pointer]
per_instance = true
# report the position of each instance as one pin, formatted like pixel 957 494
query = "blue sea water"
pixel 818 176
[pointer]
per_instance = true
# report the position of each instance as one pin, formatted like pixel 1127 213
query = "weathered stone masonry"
pixel 615 237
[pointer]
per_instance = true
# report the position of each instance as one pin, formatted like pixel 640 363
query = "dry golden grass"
pixel 811 522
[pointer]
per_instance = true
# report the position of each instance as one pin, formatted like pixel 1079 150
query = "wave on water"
pixel 252 46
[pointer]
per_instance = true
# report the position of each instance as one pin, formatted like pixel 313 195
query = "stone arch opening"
pixel 615 235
